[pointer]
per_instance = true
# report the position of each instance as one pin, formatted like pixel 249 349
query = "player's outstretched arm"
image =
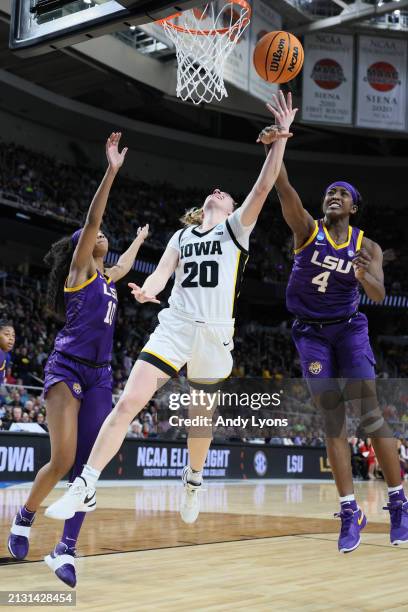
pixel 126 260
pixel 156 282
pixel 296 216
pixel 368 268
pixel 255 200
pixel 82 258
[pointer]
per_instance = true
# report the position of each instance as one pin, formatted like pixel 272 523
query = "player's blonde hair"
pixel 193 216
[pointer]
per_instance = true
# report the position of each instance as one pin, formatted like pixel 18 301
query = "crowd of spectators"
pixel 49 187
pixel 260 351
pixel 364 462
pixel 35 182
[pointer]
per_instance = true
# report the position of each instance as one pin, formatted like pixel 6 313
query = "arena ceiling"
pixel 80 76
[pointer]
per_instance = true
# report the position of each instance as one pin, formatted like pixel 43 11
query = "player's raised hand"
pixel 143 232
pixel 282 110
pixel 361 262
pixel 140 295
pixel 270 133
pixel 115 159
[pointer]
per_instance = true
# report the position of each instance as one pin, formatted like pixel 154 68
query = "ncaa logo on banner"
pixel 260 463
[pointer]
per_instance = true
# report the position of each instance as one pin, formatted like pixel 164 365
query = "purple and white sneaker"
pixel 352 522
pixel 62 563
pixel 399 522
pixel 18 540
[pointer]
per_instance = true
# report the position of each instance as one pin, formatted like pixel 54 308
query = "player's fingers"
pixel 362 265
pixel 363 256
pixel 277 102
pixel 283 101
pixel 289 102
pixel 273 111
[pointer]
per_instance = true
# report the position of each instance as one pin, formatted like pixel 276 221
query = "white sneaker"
pixel 190 505
pixel 78 498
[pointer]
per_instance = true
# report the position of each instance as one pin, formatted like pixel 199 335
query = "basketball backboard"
pixel 40 26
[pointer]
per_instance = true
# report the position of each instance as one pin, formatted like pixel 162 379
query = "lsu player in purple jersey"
pixel 332 261
pixel 7 340
pixel 207 256
pixel 78 375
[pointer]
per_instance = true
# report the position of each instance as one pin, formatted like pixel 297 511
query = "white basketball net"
pixel 201 56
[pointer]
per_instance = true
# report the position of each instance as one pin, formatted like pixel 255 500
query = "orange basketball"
pixel 278 57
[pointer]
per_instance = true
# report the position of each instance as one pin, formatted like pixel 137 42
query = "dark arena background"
pixel 71 73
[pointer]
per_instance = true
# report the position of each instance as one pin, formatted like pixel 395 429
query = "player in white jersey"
pixel 208 257
pixel 198 327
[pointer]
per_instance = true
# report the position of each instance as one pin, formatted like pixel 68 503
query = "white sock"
pixel 347 498
pixel 394 489
pixel 195 477
pixel 90 475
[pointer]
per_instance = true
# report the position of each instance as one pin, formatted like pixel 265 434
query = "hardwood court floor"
pixel 260 545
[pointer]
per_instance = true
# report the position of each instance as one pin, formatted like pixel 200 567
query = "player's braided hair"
pixel 5 323
pixel 193 216
pixel 58 259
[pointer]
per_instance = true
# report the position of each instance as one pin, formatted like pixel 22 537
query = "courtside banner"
pixel 264 19
pixel 22 455
pixel 155 460
pixel 382 83
pixel 328 78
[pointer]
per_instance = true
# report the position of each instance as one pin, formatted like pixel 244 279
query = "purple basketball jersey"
pixel 322 284
pixel 3 362
pixel 90 320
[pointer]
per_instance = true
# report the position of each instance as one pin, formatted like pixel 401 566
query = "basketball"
pixel 278 57
pixel 200 299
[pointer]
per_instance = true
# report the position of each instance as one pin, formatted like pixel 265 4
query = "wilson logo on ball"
pixel 328 74
pixel 278 57
pixel 382 76
pixel 275 64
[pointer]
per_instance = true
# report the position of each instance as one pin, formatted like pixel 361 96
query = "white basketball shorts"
pixel 181 339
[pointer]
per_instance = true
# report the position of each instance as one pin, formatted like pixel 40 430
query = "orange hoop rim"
pixel 243 3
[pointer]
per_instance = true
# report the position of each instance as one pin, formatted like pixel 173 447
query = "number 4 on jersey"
pixel 322 280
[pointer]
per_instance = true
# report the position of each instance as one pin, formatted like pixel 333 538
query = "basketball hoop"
pixel 204 38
